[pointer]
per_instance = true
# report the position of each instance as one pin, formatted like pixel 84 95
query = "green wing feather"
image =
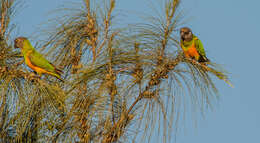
pixel 199 46
pixel 38 60
pixel 200 49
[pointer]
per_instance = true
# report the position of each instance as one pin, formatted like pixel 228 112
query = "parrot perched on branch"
pixel 192 46
pixel 35 60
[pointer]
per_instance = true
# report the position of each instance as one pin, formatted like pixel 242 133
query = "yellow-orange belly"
pixel 191 52
pixel 37 69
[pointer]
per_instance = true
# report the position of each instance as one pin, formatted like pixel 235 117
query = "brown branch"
pixel 167 30
pixel 155 80
pixel 159 75
pixel 112 77
pixel 107 21
pixel 88 5
pixel 3 111
pixel 5 15
pixel 91 29
pixel 3 18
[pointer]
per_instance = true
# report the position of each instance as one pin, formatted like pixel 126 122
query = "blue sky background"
pixel 230 32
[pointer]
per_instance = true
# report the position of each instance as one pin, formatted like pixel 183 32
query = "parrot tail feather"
pixel 203 59
pixel 58 71
pixel 58 74
pixel 58 77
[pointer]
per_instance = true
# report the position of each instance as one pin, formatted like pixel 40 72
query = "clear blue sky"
pixel 230 32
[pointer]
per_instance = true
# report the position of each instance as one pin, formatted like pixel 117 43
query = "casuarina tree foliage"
pixel 122 83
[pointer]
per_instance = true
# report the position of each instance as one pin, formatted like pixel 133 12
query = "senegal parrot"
pixel 192 46
pixel 35 60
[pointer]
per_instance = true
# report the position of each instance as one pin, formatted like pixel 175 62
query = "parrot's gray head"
pixel 18 42
pixel 186 34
